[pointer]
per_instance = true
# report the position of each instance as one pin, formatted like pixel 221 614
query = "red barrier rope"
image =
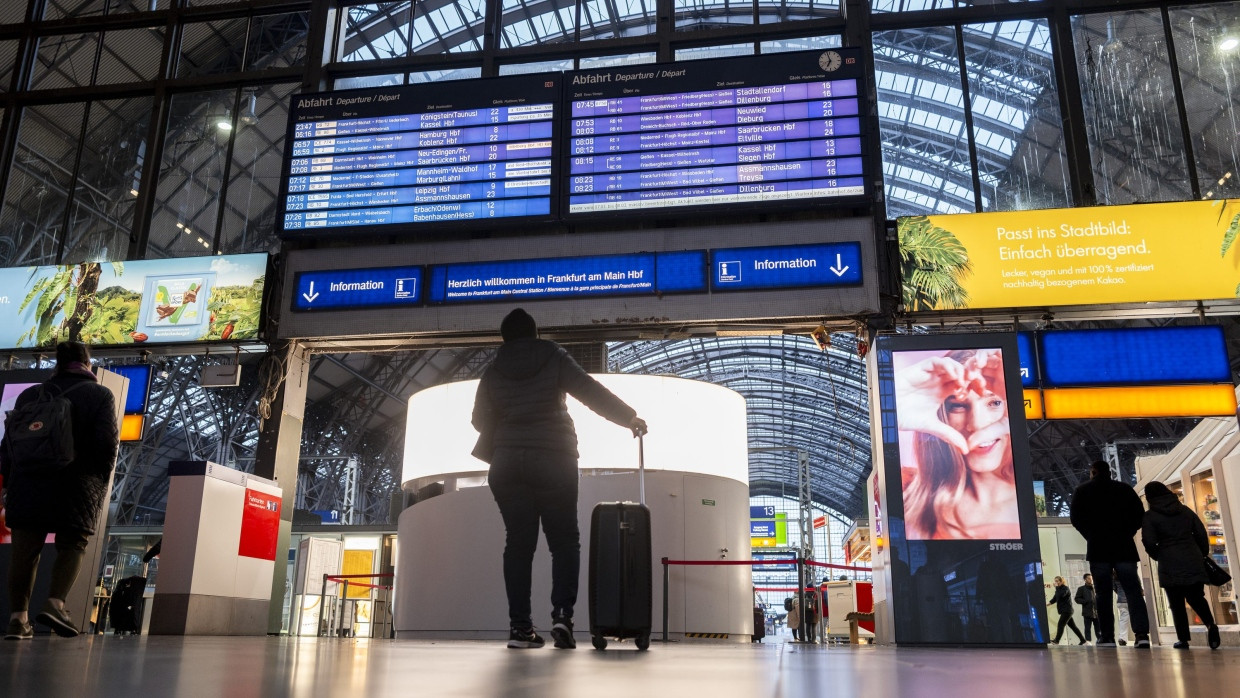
pixel 814 563
pixel 765 562
pixel 364 585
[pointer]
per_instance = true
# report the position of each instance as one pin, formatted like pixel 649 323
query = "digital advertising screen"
pixel 379 159
pixel 751 130
pixel 965 561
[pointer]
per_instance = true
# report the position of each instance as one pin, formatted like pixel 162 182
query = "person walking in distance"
pixel 1062 601
pixel 1177 540
pixel 1089 605
pixel 45 496
pixel 527 436
pixel 1109 514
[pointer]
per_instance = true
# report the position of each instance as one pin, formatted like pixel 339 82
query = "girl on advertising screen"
pixel 961 484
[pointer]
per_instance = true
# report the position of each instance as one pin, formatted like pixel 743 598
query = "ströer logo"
pixel 1007 546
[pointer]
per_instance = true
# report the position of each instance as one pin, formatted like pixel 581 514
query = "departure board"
pixel 374 159
pixel 752 130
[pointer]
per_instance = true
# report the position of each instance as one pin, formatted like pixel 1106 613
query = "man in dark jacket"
pixel 65 502
pixel 1177 540
pixel 1086 597
pixel 526 434
pixel 1109 514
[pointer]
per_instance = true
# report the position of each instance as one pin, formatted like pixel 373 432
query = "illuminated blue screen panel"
pixel 752 130
pixel 139 376
pixel 681 272
pixel 1135 356
pixel 787 266
pixel 1028 359
pixel 368 160
pixel 336 289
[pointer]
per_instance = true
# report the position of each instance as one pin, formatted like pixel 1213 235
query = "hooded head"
pixel 70 353
pixel 1100 470
pixel 1161 498
pixel 518 325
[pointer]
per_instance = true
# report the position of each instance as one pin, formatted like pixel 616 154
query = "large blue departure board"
pixel 474 150
pixel 752 130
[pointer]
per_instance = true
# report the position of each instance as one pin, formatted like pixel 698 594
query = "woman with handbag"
pixel 1174 536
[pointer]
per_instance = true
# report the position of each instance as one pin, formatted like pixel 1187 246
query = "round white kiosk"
pixel 449 574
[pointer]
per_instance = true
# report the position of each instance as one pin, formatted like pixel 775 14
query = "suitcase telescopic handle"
pixel 641 469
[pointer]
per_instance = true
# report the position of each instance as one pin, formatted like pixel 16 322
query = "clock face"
pixel 829 61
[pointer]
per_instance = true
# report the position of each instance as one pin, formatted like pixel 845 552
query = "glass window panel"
pixel 114 147
pixel 123 6
pixel 612 19
pixel 212 48
pixel 130 55
pixel 1207 49
pixel 548 22
pixel 277 41
pixel 254 180
pixel 1135 141
pixel 370 81
pixel 789 10
pixel 59 9
pixel 614 61
pixel 802 44
pixel 539 67
pixel 64 61
pixel 702 52
pixel 203 3
pixel 375 31
pixel 922 122
pixel 1021 157
pixel 8 57
pixel 707 14
pixel 191 175
pixel 449 74
pixel 908 5
pixel 34 206
pixel 453 28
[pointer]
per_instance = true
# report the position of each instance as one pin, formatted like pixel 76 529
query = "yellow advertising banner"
pixel 1141 253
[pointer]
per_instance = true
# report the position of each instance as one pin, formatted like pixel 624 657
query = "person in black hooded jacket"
pixel 1062 601
pixel 527 436
pixel 1174 536
pixel 66 502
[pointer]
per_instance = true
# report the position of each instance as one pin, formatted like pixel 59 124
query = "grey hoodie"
pixel 521 398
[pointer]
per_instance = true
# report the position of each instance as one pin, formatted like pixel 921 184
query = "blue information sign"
pixel 1135 356
pixel 1028 360
pixel 358 288
pixel 789 266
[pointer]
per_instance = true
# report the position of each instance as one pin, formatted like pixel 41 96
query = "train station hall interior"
pixel 892 284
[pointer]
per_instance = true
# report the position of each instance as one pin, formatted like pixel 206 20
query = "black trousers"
pixel 1194 595
pixel 1126 574
pixel 1067 620
pixel 1091 623
pixel 26 550
pixel 533 487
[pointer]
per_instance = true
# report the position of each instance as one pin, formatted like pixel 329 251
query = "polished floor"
pixel 150 667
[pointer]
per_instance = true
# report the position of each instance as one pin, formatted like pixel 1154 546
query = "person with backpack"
pixel 56 459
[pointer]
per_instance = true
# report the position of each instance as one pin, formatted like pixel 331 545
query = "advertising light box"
pixel 158 301
pixel 1140 253
pixel 751 130
pixel 382 158
pixel 1135 356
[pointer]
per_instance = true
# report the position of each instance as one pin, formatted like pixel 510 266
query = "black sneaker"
pixel 1213 636
pixel 58 620
pixel 1143 642
pixel 19 630
pixel 1180 645
pixel 1123 643
pixel 562 632
pixel 524 639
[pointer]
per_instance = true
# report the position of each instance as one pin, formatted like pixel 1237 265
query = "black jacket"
pixel 1175 537
pixel 1089 601
pixel 68 499
pixel 1062 600
pixel 1108 514
pixel 520 401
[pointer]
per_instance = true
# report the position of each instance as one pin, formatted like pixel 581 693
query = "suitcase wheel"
pixel 599 642
pixel 643 642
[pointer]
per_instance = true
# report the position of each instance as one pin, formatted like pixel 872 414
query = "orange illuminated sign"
pixel 1132 402
pixel 1033 405
pixel 131 427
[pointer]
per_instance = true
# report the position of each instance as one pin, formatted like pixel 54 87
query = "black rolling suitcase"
pixel 759 624
pixel 125 612
pixel 620 568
